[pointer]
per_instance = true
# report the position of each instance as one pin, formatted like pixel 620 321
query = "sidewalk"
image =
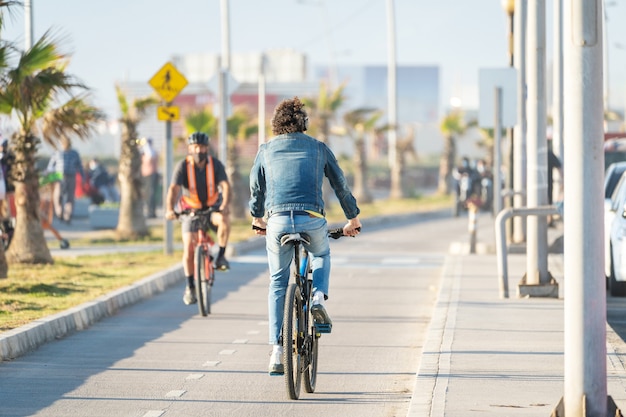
pixel 487 356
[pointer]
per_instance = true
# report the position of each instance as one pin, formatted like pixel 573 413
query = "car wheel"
pixel 616 288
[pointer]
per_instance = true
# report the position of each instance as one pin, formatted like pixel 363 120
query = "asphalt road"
pixel 160 358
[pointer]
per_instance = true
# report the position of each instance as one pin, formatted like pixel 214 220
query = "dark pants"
pixel 63 197
pixel 150 185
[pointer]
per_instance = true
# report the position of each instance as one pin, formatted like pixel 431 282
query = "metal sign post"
pixel 168 83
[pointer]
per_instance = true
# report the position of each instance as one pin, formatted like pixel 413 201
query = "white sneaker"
pixel 318 298
pixel 276 361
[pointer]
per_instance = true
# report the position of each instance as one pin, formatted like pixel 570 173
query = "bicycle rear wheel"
pixel 292 341
pixel 203 291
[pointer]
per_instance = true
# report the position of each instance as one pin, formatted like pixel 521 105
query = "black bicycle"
pixel 203 267
pixel 300 334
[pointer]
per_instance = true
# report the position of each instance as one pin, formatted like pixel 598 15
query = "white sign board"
pixel 490 79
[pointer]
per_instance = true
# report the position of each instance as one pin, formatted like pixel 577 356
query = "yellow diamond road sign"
pixel 168 82
pixel 168 113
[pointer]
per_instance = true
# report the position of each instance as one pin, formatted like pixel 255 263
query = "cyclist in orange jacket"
pixel 200 181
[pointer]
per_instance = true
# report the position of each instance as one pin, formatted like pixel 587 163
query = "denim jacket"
pixel 288 173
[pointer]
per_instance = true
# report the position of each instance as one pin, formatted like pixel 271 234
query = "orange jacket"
pixel 193 201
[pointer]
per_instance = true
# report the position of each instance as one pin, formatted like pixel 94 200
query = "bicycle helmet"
pixel 198 138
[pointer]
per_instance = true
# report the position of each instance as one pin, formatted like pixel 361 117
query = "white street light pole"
pixel 224 88
pixel 537 155
pixel 28 24
pixel 261 110
pixel 519 132
pixel 585 358
pixel 392 100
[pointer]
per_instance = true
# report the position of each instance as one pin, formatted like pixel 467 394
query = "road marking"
pixel 195 376
pixel 253 332
pixel 176 393
pixel 240 341
pixel 154 413
pixel 227 352
pixel 211 363
pixel 432 379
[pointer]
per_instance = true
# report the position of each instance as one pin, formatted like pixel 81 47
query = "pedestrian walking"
pixel 150 175
pixel 65 162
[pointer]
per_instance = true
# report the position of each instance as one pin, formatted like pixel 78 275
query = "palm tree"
pixel 240 127
pixel 202 121
pixel 132 221
pixel 451 127
pixel 28 92
pixel 359 123
pixel 322 109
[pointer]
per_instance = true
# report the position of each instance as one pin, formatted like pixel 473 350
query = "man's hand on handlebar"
pixel 259 226
pixel 353 227
pixel 170 215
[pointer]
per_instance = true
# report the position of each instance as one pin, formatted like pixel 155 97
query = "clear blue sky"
pixel 131 39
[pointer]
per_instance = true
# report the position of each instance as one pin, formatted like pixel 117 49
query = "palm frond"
pixel 122 100
pixel 202 121
pixel 75 118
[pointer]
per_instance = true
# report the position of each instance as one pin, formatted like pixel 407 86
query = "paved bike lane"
pixel 158 357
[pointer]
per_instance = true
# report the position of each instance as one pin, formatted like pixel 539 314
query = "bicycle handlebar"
pixel 334 233
pixel 338 232
pixel 195 212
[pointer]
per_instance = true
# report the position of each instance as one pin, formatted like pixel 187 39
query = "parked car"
pixel 617 241
pixel 611 179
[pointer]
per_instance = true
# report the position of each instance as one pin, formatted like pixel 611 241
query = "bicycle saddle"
pixel 295 237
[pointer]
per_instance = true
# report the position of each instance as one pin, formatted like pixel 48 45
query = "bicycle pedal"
pixel 323 327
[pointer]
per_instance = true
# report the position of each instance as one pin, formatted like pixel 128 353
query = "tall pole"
pixel 519 132
pixel 392 101
pixel 261 116
pixel 497 152
pixel 557 82
pixel 509 8
pixel 28 24
pixel 224 88
pixel 605 55
pixel 585 376
pixel 537 164
pixel 168 151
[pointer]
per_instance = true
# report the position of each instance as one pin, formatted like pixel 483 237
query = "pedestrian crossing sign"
pixel 168 82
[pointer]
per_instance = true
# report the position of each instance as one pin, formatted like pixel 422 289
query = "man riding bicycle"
pixel 286 185
pixel 203 183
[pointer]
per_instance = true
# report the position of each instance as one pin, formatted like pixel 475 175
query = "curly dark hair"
pixel 289 117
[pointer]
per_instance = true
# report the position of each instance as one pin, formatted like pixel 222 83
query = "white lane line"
pixel 240 341
pixel 211 363
pixel 194 376
pixel 176 393
pixel 227 352
pixel 251 332
pixel 154 413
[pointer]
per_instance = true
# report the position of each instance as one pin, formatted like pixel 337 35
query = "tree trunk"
pixel 237 188
pixel 132 221
pixel 361 191
pixel 29 244
pixel 396 169
pixel 4 267
pixel 446 164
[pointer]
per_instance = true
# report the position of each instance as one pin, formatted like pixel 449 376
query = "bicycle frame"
pixel 203 271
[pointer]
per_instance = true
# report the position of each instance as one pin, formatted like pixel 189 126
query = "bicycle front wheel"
pixel 201 274
pixel 292 341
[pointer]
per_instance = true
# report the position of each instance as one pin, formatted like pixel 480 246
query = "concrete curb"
pixel 21 340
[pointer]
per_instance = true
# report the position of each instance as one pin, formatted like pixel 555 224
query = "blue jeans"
pixel 279 260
